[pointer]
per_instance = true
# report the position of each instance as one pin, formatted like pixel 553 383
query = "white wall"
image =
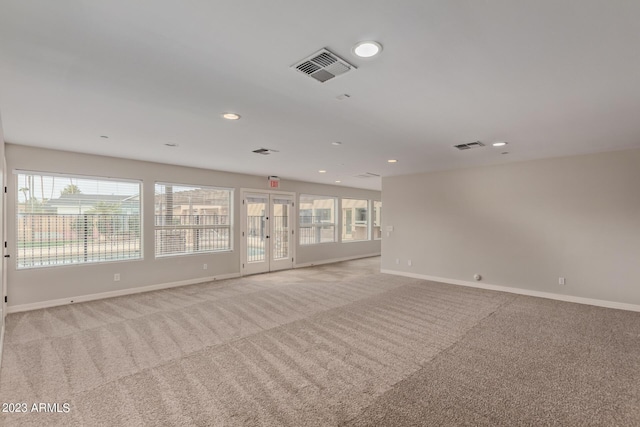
pixel 523 225
pixel 39 285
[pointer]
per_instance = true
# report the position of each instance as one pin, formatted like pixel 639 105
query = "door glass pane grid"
pixel 256 230
pixel 281 229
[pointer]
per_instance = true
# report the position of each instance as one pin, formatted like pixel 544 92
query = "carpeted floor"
pixel 331 345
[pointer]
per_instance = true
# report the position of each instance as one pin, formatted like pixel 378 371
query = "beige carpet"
pixel 331 345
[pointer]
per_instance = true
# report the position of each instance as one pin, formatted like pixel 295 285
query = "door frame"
pixel 3 239
pixel 293 224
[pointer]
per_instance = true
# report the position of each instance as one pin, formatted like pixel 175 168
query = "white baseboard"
pixel 129 291
pixel 331 261
pixel 118 293
pixel 549 295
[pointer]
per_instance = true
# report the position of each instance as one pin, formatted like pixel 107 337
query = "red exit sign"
pixel 274 182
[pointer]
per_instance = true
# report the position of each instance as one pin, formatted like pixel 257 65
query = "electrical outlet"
pixel 397 260
pixel 561 281
pixel 116 277
pixel 409 262
pixel 204 266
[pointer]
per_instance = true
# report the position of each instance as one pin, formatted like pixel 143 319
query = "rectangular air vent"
pixel 323 65
pixel 469 145
pixel 367 175
pixel 265 151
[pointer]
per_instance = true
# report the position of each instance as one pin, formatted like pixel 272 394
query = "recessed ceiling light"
pixel 231 116
pixel 505 152
pixel 499 144
pixel 171 144
pixel 104 136
pixel 367 49
pixel 338 182
pixel 336 143
pixel 322 171
pixel 392 161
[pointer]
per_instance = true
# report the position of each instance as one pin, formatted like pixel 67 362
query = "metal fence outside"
pixel 46 239
pixel 316 229
pixel 184 234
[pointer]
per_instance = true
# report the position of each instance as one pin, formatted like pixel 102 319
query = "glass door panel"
pixel 281 207
pixel 267 235
pixel 256 233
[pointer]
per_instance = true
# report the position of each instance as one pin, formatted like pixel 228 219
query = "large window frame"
pixel 206 227
pixel 317 219
pixel 92 220
pixel 376 219
pixel 356 220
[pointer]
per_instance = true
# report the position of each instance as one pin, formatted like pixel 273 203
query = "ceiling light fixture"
pixel 171 144
pixel 336 143
pixel 322 171
pixel 231 116
pixel 104 136
pixel 338 182
pixel 392 161
pixel 499 144
pixel 367 49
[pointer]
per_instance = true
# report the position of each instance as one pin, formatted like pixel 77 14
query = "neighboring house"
pixel 79 203
pixel 183 204
pixel 62 217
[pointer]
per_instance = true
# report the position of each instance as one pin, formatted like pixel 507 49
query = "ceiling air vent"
pixel 323 65
pixel 469 145
pixel 265 151
pixel 367 175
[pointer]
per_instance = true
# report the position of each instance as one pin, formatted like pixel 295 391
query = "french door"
pixel 267 235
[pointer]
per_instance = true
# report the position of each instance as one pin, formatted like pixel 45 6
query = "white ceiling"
pixel 554 78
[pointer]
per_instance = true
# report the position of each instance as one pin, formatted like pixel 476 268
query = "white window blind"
pixel 317 219
pixel 190 219
pixel 64 220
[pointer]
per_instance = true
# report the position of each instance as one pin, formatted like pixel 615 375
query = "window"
pixel 317 219
pixel 192 220
pixel 64 220
pixel 355 220
pixel 377 219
